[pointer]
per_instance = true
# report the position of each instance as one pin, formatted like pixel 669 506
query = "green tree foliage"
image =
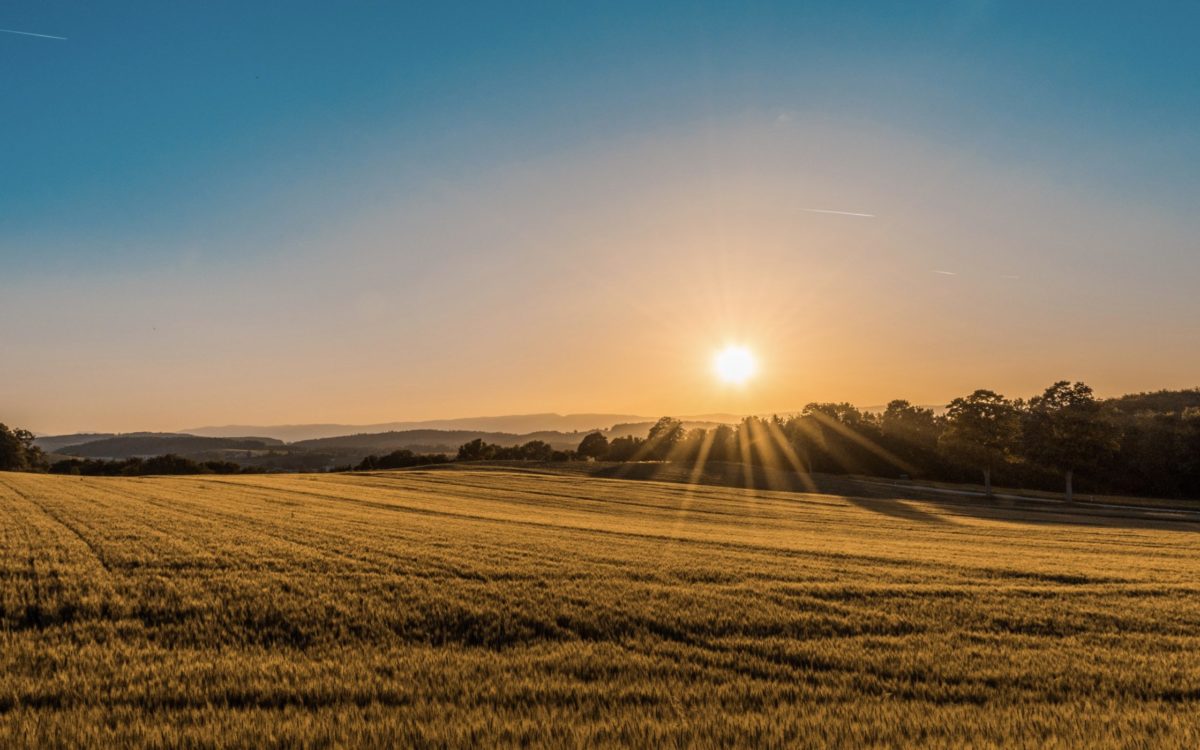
pixel 1065 428
pixel 981 430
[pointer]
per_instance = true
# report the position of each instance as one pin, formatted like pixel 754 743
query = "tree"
pixel 536 450
pixel 476 450
pixel 17 451
pixel 756 443
pixel 663 436
pixel 721 444
pixel 626 448
pixel 594 445
pixel 693 446
pixel 905 424
pixel 1066 429
pixel 981 429
pixel 846 413
pixel 806 439
pixel 849 440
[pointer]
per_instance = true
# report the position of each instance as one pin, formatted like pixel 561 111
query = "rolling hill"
pixel 143 445
pixel 517 424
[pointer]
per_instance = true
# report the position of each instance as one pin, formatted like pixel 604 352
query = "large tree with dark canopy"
pixel 594 445
pixel 17 451
pixel 664 434
pixel 981 429
pixel 1065 429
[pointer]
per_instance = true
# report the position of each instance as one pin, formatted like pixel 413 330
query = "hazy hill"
pixel 429 441
pixel 52 443
pixel 57 443
pixel 149 444
pixel 641 429
pixel 1158 401
pixel 320 453
pixel 515 424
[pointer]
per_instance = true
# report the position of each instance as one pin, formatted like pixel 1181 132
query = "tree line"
pixel 18 453
pixel 1146 444
pixel 1140 444
pixel 166 464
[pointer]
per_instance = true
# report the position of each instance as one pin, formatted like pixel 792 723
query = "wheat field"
pixel 474 608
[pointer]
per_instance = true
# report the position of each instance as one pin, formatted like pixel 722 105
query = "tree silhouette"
pixel 625 448
pixel 663 436
pixel 1065 429
pixel 981 429
pixel 536 450
pixel 721 446
pixel 17 451
pixel 904 424
pixel 594 445
pixel 807 440
pixel 476 450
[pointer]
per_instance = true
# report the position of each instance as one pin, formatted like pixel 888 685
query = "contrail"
pixel 839 213
pixel 947 273
pixel 30 33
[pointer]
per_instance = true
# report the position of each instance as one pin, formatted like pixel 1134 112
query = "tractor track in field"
pixel 74 529
pixel 493 495
pixel 34 604
pixel 262 528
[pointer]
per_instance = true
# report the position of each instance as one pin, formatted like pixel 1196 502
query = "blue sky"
pixel 198 140
pixel 155 119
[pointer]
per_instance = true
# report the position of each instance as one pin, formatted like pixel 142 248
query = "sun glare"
pixel 734 364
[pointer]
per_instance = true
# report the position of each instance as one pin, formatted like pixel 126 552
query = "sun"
pixel 735 364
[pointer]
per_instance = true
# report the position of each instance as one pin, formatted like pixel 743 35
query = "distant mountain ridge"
pixel 514 424
pixel 430 441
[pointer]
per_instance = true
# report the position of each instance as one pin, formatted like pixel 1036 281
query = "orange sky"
pixel 604 280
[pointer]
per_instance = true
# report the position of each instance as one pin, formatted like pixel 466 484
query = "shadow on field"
pixel 880 496
pixel 896 509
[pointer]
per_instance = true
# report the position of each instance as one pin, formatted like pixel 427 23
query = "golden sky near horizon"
pixel 604 280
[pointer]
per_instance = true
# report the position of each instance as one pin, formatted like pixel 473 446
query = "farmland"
pixel 478 607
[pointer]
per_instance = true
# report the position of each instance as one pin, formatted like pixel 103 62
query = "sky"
pixel 268 213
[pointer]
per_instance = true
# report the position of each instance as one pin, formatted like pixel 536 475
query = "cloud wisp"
pixel 30 33
pixel 838 213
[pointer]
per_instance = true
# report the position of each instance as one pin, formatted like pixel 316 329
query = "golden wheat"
pixel 465 608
